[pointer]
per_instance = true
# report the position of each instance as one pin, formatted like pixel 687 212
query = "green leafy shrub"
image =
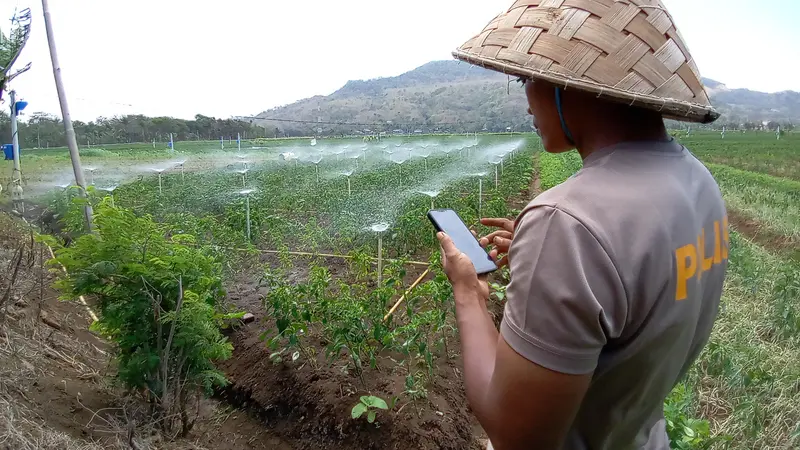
pixel 158 301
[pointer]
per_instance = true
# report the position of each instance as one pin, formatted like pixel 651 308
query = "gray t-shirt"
pixel 618 272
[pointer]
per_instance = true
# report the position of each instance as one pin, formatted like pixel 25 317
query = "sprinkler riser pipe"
pixel 160 188
pixel 380 259
pixel 247 216
pixel 480 196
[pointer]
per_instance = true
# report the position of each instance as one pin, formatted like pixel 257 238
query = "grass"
pixel 746 382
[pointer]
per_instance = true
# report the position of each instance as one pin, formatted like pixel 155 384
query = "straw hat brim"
pixel 669 108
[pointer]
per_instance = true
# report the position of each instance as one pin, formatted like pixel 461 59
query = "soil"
pixel 55 389
pixel 310 407
pixel 762 235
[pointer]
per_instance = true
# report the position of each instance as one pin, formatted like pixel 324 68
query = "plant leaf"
pixel 358 410
pixel 378 402
pixel 371 416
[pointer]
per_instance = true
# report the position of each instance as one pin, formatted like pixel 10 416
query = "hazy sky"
pixel 181 57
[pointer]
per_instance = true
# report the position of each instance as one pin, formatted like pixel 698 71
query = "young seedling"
pixel 368 404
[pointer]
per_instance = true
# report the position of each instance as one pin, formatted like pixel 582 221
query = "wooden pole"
pixel 62 99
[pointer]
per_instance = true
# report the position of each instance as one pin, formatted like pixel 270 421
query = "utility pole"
pixel 62 99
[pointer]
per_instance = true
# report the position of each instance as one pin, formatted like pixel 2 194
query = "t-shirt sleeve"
pixel 565 299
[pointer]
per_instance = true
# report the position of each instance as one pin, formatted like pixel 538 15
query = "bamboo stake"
pixel 328 255
pixel 403 297
pixel 80 297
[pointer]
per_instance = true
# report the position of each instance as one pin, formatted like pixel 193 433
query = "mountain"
pixel 743 105
pixel 458 97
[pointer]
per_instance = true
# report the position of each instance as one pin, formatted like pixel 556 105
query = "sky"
pixel 183 57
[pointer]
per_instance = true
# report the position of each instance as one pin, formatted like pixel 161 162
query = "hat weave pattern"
pixel 627 50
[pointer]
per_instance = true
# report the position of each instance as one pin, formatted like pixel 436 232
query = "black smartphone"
pixel 448 221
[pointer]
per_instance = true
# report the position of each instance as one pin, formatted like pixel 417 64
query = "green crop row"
pixel 555 168
pixel 757 152
pixel 774 202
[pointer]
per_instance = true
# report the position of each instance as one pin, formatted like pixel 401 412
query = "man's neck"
pixel 600 134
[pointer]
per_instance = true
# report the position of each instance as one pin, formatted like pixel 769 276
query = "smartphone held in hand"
pixel 447 221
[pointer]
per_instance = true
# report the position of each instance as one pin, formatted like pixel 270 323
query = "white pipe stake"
pixel 380 259
pixel 247 215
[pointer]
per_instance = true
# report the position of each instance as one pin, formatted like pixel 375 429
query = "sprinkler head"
pixel 379 227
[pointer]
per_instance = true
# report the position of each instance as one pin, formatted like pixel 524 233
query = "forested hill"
pixel 445 96
pixel 453 96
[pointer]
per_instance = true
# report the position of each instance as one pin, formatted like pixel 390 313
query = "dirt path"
pixel 762 235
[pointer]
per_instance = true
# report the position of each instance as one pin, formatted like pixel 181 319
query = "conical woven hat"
pixel 629 51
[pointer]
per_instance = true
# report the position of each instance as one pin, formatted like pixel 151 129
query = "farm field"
pixel 312 274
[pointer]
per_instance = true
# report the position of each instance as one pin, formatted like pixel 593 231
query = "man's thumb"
pixel 447 244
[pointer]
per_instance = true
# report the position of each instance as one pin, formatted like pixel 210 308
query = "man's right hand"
pixel 500 240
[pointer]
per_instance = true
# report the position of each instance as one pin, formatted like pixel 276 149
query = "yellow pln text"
pixel 692 260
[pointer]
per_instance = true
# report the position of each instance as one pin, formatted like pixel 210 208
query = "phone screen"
pixel 448 221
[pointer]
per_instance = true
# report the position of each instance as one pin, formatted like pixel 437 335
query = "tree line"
pixel 42 130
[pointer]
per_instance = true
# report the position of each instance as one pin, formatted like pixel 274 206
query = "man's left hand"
pixel 460 270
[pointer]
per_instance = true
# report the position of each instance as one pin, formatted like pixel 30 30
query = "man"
pixel 616 274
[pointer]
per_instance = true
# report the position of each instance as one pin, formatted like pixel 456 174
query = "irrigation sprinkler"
pixel 425 156
pixel 239 141
pixel 160 185
pixel 379 228
pixel 431 194
pixel 399 163
pixel 246 193
pixel 480 176
pixel 91 173
pixel 221 143
pixel 347 174
pixel 110 190
pixel 316 160
pixel 171 143
pixel 180 164
pixel 313 142
pixel 355 157
pixel 243 173
pixel 723 133
pixel 496 163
